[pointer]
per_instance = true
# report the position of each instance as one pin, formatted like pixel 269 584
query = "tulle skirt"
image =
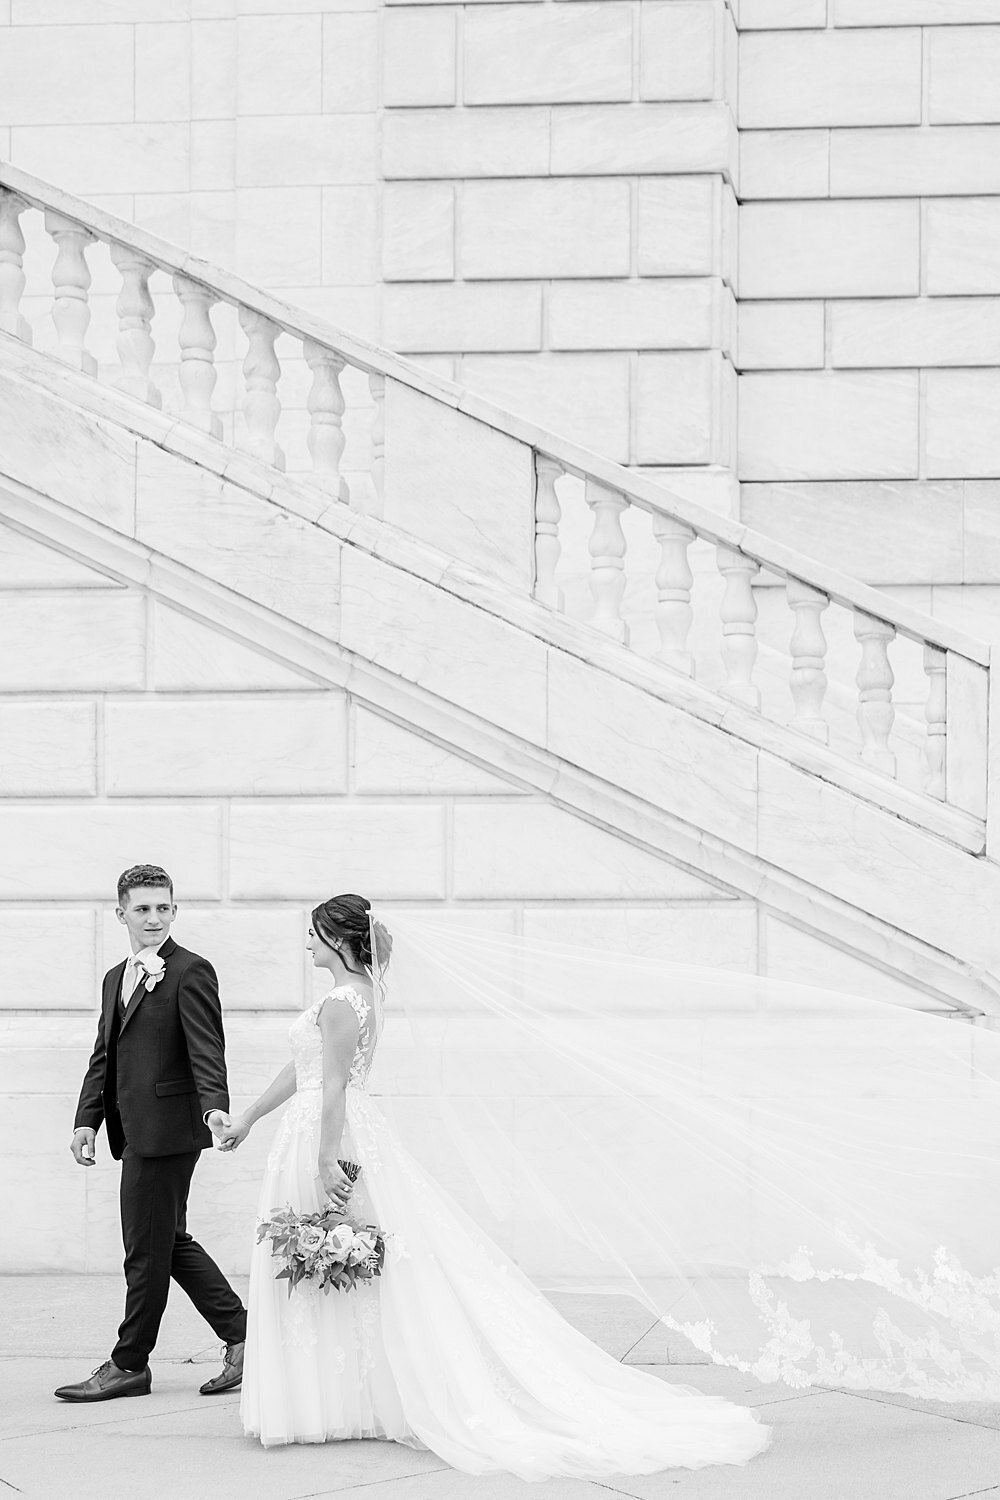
pixel 452 1349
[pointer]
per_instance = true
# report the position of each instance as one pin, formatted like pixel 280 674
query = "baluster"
pixel 12 266
pixel 326 410
pixel 135 310
pixel 739 616
pixel 548 513
pixel 70 282
pixel 673 593
pixel 875 679
pixel 260 373
pixel 376 384
pixel 808 650
pixel 936 715
pixel 197 374
pixel 607 569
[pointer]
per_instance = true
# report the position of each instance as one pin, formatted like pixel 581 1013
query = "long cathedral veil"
pixel 798 1183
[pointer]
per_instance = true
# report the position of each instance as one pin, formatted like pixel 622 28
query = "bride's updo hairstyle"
pixel 345 918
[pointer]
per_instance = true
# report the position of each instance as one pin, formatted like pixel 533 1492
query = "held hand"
pixel 233 1135
pixel 217 1122
pixel 83 1145
pixel 336 1183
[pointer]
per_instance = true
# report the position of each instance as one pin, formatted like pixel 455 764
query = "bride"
pixel 452 1348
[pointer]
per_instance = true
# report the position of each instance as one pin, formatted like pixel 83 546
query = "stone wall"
pixel 869 319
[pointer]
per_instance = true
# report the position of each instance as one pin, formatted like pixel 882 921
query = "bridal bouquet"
pixel 324 1247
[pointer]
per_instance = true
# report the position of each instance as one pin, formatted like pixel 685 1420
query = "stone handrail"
pixel 483 484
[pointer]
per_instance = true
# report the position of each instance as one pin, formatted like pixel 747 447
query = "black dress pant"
pixel 154 1192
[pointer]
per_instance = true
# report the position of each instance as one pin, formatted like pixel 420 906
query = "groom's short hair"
pixel 139 875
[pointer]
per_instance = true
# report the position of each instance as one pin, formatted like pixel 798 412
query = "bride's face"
pixel 323 956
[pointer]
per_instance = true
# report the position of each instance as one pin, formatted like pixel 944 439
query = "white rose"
pixel 310 1239
pixel 340 1240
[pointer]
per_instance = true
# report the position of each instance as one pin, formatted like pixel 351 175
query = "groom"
pixel 157 1079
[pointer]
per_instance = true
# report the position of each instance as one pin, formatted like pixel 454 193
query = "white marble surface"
pixel 388 758
pixel 685 408
pixel 187 656
pixel 814 249
pixel 460 486
pixel 537 54
pixel 235 746
pixel 785 163
pixel 67 852
pixel 964 75
pixel 679 225
pixel 418 231
pixel 682 50
pixel 819 425
pixel 795 78
pixel 49 748
pixel 555 227
pixel 37 970
pixel 430 34
pixel 106 631
pixel 649 314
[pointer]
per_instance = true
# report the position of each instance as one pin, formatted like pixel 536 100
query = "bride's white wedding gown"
pixel 452 1349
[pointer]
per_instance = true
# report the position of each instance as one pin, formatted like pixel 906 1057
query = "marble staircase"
pixel 552 617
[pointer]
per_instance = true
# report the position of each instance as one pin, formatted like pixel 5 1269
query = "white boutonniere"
pixel 151 967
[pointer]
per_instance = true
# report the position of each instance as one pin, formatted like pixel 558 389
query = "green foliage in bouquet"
pixel 326 1246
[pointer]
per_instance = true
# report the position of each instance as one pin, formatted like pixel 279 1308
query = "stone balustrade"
pixel 501 496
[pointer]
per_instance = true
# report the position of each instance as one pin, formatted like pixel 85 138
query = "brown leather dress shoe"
pixel 107 1382
pixel 231 1374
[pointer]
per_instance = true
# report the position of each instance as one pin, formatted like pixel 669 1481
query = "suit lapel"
pixel 140 991
pixel 109 999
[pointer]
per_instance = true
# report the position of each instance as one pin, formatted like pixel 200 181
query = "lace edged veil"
pixel 795 1182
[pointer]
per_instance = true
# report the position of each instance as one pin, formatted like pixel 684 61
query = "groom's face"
pixel 147 913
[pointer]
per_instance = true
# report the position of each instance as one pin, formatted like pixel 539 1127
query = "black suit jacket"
pixel 155 1074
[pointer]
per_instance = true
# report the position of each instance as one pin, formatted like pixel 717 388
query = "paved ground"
pixel 826 1445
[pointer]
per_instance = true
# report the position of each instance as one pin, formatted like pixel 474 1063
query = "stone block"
pixel 162 71
pixel 466 488
pixel 213 70
pixel 905 533
pixel 713 931
pixel 462 316
pixel 780 336
pixel 680 50
pixel 188 656
pixel 584 397
pixel 306 851
pixel 544 228
pixel 674 314
pixel 350 235
pixel 826 425
pixel 436 143
pixel 292 150
pixel 76 851
pixel 419 56
pixel 941 331
pixel 48 961
pixel 350 62
pixel 964 75
pixel 961 426
pixel 800 957
pixel 49 749
pixel 53 75
pixel 57 12
pixel 540 54
pixel 616 139
pixel 962 240
pixel 648 747
pixel 915 163
pixel 784 164
pixel 686 409
pixel 278 235
pixel 121 158
pixel 391 760
pixel 247 544
pixel 982 536
pixel 418 231
pixel 107 632
pixel 798 79
pixel 258 954
pixel 27 564
pixel 911 12
pixel 876 860
pixel 782 15
pixel 829 249
pixel 534 850
pixel 276 65
pixel 680 226
pixel 213 154
pixel 231 746
pixel 450 648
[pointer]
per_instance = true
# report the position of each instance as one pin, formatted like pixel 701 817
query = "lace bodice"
pixel 307 1041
